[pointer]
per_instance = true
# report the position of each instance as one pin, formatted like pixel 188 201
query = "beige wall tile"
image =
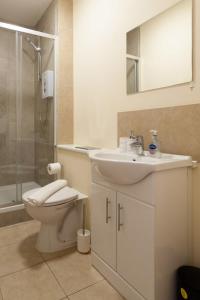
pixel 48 21
pixel 63 10
pixel 65 14
pixel 65 72
pixel 65 129
pixel 178 128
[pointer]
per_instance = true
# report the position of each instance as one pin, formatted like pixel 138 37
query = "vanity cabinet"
pixel 140 232
pixel 104 224
pixel 135 244
pixel 123 236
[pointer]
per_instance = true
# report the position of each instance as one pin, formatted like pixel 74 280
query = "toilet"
pixel 60 219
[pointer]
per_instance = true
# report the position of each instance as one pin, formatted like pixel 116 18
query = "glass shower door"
pixel 44 111
pixel 26 118
pixel 25 155
pixel 35 114
pixel 8 120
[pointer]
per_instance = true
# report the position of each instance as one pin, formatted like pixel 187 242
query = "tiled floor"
pixel 26 274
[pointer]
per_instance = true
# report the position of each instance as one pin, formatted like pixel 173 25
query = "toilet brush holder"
pixel 83 241
pixel 83 236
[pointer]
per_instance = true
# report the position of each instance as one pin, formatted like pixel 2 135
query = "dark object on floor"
pixel 188 283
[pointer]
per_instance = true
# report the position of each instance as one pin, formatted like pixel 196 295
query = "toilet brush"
pixel 83 235
pixel 83 227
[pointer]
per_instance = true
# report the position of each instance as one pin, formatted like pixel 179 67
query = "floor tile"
pixel 99 291
pixel 36 283
pixel 49 256
pixel 74 271
pixel 18 256
pixel 31 227
pixel 16 233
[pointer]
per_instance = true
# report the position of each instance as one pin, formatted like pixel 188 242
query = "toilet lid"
pixel 64 195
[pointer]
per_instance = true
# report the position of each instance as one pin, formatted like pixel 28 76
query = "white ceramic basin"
pixel 125 168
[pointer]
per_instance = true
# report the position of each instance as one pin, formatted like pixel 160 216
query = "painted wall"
pixel 76 169
pixel 166 48
pixel 100 79
pixel 100 67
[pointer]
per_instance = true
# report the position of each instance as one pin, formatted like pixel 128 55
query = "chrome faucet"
pixel 139 145
pixel 136 144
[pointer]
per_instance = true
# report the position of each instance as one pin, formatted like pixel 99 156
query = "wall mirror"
pixel 159 51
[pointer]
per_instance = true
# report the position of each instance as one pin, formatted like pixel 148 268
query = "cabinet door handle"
pixel 119 224
pixel 107 215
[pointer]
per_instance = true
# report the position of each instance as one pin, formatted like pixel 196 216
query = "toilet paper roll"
pixel 54 168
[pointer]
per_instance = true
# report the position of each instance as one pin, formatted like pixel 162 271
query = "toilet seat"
pixel 64 195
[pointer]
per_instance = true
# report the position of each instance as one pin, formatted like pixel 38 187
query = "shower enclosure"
pixel 26 116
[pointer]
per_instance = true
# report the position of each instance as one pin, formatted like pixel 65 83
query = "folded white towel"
pixel 64 195
pixel 41 195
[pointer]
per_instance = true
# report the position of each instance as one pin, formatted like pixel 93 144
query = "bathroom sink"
pixel 126 168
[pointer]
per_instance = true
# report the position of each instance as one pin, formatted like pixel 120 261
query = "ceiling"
pixel 23 12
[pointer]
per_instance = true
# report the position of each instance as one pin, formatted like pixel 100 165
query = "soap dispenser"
pixel 154 147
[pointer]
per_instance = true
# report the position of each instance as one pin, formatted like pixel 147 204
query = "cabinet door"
pixel 103 204
pixel 135 244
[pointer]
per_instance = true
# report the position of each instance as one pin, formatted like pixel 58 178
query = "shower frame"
pixel 22 30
